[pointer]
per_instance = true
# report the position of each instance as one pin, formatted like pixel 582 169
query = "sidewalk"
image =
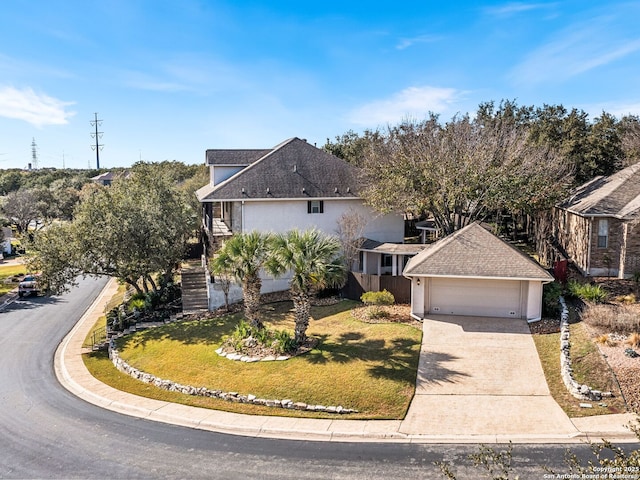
pixel 74 376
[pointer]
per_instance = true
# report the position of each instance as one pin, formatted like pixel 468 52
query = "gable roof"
pixel 615 196
pixel 474 252
pixel 293 169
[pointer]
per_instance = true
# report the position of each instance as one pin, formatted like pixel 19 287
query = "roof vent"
pixel 303 190
pixel 295 168
pixel 243 190
pixel 268 191
pixel 348 189
pixel 335 190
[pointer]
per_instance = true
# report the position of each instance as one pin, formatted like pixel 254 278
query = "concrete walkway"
pixel 434 416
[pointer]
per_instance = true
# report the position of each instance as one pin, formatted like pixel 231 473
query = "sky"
pixel 171 79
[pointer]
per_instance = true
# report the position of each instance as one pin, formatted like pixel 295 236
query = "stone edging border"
pixel 581 392
pixel 171 386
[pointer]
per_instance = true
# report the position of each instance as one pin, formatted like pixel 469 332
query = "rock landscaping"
pixel 581 392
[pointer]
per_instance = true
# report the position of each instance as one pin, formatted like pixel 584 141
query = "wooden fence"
pixel 358 283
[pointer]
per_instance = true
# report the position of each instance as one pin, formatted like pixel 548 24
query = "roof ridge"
pixel 252 165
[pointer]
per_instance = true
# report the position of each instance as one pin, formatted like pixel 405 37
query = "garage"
pixel 473 272
pixel 483 298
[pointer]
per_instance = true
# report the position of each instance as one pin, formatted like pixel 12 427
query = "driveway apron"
pixel 482 376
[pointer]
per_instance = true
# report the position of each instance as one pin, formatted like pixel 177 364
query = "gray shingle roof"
pixel 369 245
pixel 617 195
pixel 475 252
pixel 293 169
pixel 234 157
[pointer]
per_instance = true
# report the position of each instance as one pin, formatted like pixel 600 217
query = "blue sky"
pixel 170 79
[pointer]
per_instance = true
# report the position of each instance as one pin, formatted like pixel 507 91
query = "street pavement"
pixel 494 392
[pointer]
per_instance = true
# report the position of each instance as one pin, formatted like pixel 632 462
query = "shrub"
pixel 551 299
pixel 606 340
pixel 626 299
pixel 633 340
pixel 283 342
pixel 378 298
pixel 136 303
pixel 587 291
pixel 280 341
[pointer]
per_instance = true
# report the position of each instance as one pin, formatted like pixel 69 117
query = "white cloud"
pixel 578 49
pixel 510 9
pixel 409 42
pixel 412 102
pixel 36 109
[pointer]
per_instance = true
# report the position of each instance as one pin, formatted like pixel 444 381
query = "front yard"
pixel 603 337
pixel 363 366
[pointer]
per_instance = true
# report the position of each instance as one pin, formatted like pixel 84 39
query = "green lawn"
pixel 7 272
pixel 368 367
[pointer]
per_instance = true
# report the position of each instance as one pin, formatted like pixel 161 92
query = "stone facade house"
pixel 597 227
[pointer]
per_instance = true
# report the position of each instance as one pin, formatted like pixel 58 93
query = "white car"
pixel 28 285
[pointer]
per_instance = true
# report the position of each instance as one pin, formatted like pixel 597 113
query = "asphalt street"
pixel 47 432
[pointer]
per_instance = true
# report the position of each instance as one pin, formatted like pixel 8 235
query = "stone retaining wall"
pixel 581 392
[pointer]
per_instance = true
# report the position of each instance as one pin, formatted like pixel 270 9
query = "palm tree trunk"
pixel 302 308
pixel 251 291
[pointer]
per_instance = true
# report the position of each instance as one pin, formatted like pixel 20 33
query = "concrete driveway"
pixel 482 376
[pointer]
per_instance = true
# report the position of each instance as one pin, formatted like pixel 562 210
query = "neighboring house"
pixel 293 185
pixel 5 245
pixel 107 178
pixel 473 272
pixel 597 227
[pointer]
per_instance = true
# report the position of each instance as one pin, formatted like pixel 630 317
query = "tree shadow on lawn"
pixel 393 360
pixel 210 331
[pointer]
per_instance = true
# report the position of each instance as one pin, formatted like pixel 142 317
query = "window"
pixel 603 233
pixel 315 206
pixel 387 260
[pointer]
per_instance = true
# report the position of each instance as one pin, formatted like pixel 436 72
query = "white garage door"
pixel 484 298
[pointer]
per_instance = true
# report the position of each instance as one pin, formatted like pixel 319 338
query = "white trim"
pixel 268 199
pixel 476 277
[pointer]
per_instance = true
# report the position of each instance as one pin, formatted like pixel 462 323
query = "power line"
pixel 97 136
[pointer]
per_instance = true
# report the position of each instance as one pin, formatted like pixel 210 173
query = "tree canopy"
pixel 131 230
pixel 505 158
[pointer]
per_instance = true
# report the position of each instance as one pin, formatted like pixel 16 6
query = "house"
pixel 474 272
pixel 107 178
pixel 596 228
pixel 5 245
pixel 293 185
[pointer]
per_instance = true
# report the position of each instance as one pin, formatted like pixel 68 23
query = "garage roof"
pixel 474 252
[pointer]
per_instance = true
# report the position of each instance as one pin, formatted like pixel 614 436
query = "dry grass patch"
pixel 368 367
pixel 624 319
pixel 589 368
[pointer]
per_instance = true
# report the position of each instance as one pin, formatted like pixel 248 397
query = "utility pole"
pixel 34 154
pixel 97 136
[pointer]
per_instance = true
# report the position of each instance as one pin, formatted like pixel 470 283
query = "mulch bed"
pixel 400 313
pixel 545 326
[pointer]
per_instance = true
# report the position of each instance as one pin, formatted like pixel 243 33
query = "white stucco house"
pixel 474 272
pixel 5 245
pixel 293 185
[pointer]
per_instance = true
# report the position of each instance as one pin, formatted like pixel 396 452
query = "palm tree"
pixel 242 257
pixel 315 262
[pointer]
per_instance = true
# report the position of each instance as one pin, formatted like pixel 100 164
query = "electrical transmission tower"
pixel 34 154
pixel 97 136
